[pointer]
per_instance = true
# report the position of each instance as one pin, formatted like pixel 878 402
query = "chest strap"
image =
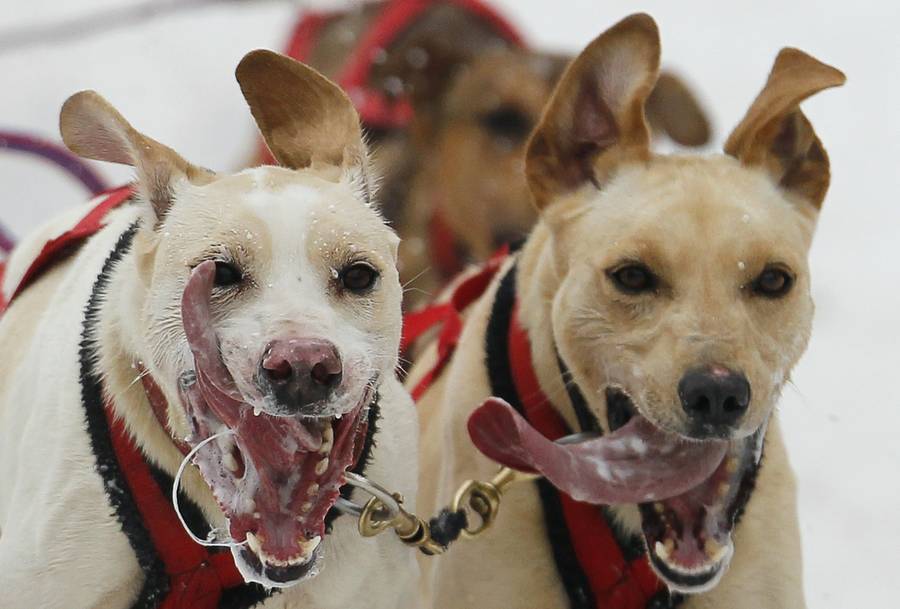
pixel 600 565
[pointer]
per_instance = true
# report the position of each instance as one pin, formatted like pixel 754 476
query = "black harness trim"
pixel 573 577
pixel 156 580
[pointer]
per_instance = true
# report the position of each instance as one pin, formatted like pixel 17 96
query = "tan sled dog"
pixel 672 294
pixel 265 307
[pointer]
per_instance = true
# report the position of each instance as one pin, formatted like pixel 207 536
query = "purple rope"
pixel 57 155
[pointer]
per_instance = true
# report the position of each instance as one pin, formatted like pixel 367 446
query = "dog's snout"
pixel 714 398
pixel 301 371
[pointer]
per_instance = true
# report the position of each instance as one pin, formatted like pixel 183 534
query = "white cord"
pixel 203 542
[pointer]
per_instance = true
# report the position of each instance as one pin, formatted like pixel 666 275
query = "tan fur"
pixel 449 162
pixel 707 227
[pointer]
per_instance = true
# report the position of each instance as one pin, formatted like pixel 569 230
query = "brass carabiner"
pixel 483 498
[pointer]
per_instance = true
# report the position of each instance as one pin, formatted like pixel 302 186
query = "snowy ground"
pixel 173 78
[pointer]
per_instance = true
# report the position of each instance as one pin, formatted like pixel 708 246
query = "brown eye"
pixel 358 277
pixel 227 274
pixel 773 282
pixel 634 279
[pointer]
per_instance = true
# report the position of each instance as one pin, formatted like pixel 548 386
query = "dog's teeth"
pixel 313 489
pixel 230 462
pixel 724 488
pixel 659 507
pixel 256 515
pixel 257 410
pixel 254 544
pixel 321 466
pixel 662 550
pixel 714 550
pixel 731 465
pixel 307 547
pixel 327 441
pixel 306 507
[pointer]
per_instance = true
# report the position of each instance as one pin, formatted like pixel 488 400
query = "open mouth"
pixel 689 492
pixel 274 477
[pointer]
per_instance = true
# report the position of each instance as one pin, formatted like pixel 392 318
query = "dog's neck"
pixel 537 281
pixel 123 355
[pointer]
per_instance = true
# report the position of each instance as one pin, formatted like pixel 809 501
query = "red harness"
pixel 614 581
pixel 197 577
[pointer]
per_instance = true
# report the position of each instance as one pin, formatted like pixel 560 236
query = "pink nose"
pixel 301 372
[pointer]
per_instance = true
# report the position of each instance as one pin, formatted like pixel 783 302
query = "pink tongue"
pixel 637 463
pixel 197 320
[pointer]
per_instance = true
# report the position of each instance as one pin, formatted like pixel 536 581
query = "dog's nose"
pixel 301 371
pixel 714 397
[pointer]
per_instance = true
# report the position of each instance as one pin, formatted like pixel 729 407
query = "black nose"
pixel 301 372
pixel 714 398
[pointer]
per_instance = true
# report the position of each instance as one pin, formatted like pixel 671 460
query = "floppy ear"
pixel 673 109
pixel 306 120
pixel 595 118
pixel 93 129
pixel 776 136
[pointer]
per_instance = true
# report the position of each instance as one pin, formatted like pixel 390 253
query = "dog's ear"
pixel 673 109
pixel 595 118
pixel 306 120
pixel 776 136
pixel 93 129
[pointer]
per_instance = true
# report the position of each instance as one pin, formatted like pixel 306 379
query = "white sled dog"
pixel 248 321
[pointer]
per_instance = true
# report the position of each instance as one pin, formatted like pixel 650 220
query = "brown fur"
pixel 449 162
pixel 706 227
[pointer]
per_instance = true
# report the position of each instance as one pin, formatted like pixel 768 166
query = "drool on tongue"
pixel 291 470
pixel 638 462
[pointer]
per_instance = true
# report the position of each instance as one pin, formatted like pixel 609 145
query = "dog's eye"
pixel 358 277
pixel 507 122
pixel 633 279
pixel 227 274
pixel 773 282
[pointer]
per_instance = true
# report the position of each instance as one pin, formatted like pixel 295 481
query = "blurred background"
pixel 168 67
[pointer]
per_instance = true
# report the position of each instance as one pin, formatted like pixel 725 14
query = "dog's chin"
pixel 275 477
pixel 689 536
pixel 277 574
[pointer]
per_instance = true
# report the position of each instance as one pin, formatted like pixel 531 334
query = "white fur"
pixel 60 545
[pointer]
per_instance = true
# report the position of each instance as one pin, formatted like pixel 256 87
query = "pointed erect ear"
pixel 93 129
pixel 306 120
pixel 776 136
pixel 595 118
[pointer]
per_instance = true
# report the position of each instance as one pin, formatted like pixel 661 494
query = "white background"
pixel 172 77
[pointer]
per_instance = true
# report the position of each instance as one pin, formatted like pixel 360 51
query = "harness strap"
pixel 58 247
pixel 197 577
pixel 616 582
pixel 448 316
pixel 374 107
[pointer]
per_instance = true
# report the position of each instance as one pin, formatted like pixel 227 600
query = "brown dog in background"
pixel 454 186
pixel 673 293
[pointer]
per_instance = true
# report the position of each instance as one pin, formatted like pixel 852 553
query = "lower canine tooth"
pixel 714 550
pixel 230 462
pixel 307 547
pixel 661 550
pixel 313 489
pixel 254 544
pixel 305 507
pixel 724 488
